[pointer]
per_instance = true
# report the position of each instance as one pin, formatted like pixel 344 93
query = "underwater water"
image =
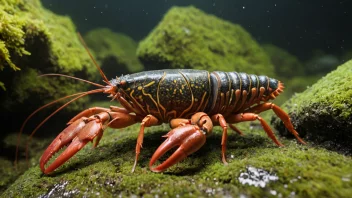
pixel 306 45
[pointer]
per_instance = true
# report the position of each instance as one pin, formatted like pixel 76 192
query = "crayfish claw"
pixel 76 136
pixel 189 138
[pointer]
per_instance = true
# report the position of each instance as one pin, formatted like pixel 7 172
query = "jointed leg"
pixel 251 117
pixel 281 114
pixel 218 118
pixel 179 122
pixel 148 121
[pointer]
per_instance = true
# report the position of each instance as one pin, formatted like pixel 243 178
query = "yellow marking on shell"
pixel 191 105
pixel 175 81
pixel 201 102
pixel 206 101
pixel 149 84
pixel 158 99
pixel 140 88
pixel 181 91
pixel 136 102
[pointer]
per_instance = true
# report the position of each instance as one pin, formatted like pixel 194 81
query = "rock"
pixel 115 52
pixel 286 65
pixel 36 41
pixel 190 38
pixel 323 112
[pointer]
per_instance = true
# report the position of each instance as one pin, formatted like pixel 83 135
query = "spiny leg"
pixel 281 114
pixel 252 117
pixel 147 121
pixel 218 118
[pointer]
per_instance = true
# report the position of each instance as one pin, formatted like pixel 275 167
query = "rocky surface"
pixel 189 38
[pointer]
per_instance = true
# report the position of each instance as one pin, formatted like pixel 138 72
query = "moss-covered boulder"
pixel 296 84
pixel 286 65
pixel 33 41
pixel 115 52
pixel 189 38
pixel 257 168
pixel 8 171
pixel 323 113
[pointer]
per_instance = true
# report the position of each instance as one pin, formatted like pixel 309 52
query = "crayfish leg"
pixel 147 121
pixel 281 114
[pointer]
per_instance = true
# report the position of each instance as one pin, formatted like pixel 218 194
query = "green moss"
pixel 8 172
pixel 286 65
pixel 324 111
pixel 12 35
pixel 190 38
pixel 50 45
pixel 106 170
pixel 295 85
pixel 115 52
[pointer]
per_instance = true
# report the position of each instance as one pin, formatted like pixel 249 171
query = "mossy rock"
pixel 34 41
pixel 189 38
pixel 286 65
pixel 323 113
pixel 115 52
pixel 8 171
pixel 296 84
pixel 295 169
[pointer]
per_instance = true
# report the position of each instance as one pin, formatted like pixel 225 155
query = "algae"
pixel 35 41
pixel 115 52
pixel 302 171
pixel 323 112
pixel 189 38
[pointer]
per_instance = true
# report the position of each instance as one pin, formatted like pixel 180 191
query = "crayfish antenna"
pixel 105 79
pixel 80 79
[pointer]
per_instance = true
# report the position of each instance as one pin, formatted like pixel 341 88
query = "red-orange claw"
pixel 80 135
pixel 190 139
pixel 64 138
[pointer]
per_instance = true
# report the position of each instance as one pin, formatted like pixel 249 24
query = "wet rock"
pixel 115 52
pixel 189 38
pixel 36 41
pixel 286 65
pixel 323 113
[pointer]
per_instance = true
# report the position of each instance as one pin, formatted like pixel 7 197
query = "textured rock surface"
pixel 115 52
pixel 286 65
pixel 33 40
pixel 190 38
pixel 323 113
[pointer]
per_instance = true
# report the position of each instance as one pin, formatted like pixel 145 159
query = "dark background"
pixel 297 26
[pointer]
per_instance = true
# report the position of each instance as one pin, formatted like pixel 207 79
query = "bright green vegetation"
pixel 324 111
pixel 35 41
pixel 115 52
pixel 106 171
pixel 189 38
